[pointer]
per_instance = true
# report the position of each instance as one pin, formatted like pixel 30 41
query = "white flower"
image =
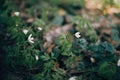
pixel 118 63
pixel 72 78
pixel 16 13
pixel 16 24
pixel 25 31
pixel 39 28
pixel 92 59
pixel 36 57
pixel 30 38
pixel 77 35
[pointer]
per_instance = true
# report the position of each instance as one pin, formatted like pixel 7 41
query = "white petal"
pixel 118 63
pixel 77 35
pixel 39 28
pixel 72 78
pixel 16 24
pixel 92 59
pixel 25 31
pixel 30 38
pixel 31 41
pixel 16 13
pixel 36 57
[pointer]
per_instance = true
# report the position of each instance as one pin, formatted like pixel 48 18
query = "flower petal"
pixel 16 13
pixel 77 35
pixel 30 38
pixel 25 31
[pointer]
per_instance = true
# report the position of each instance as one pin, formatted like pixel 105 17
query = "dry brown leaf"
pixel 106 31
pixel 56 65
pixel 54 32
pixel 50 48
pixel 111 10
pixel 61 12
pixel 93 4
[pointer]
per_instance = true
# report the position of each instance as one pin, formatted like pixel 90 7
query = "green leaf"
pixel 46 57
pixel 108 47
pixel 107 70
pixel 115 35
pixel 58 20
pixel 82 43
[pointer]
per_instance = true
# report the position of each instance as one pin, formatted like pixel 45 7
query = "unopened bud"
pixel 92 59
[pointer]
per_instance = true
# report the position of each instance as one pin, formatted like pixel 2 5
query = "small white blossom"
pixel 92 59
pixel 72 78
pixel 118 63
pixel 77 35
pixel 25 31
pixel 16 13
pixel 30 38
pixel 39 28
pixel 36 57
pixel 117 1
pixel 16 24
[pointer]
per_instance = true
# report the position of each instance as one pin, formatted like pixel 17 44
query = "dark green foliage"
pixel 83 57
pixel 107 70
